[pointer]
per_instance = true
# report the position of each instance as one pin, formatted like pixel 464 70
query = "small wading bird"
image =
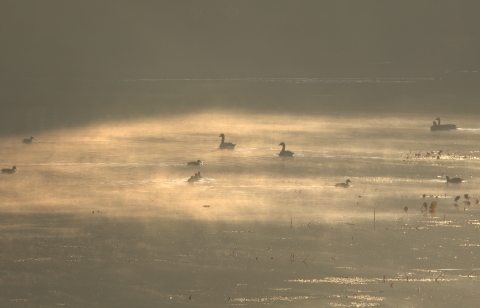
pixel 30 140
pixel 466 196
pixel 344 185
pixel 454 180
pixel 284 153
pixel 439 126
pixel 195 163
pixel 456 198
pixel 10 171
pixel 226 145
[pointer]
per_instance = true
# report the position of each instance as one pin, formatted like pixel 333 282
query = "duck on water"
pixel 454 180
pixel 226 145
pixel 29 140
pixel 284 153
pixel 344 185
pixel 439 126
pixel 195 163
pixel 10 171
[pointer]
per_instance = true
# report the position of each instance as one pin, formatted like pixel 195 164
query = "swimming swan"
pixel 226 145
pixel 439 126
pixel 283 152
pixel 195 163
pixel 344 185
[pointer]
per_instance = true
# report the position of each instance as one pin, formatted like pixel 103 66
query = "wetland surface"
pixel 102 215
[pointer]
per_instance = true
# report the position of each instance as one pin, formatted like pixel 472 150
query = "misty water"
pixel 102 214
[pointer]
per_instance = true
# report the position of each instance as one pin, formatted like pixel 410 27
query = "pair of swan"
pixel 439 126
pixel 230 146
pixel 10 171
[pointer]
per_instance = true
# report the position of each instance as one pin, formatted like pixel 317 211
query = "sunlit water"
pixel 104 216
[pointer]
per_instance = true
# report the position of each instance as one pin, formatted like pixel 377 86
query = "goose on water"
pixel 439 126
pixel 283 152
pixel 195 163
pixel 344 185
pixel 226 145
pixel 454 180
pixel 7 170
pixel 29 140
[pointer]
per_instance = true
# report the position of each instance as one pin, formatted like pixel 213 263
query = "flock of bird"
pixel 230 146
pixel 283 153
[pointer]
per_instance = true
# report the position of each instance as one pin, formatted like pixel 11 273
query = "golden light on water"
pixel 139 167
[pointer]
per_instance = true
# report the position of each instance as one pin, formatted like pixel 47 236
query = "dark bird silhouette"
pixel 29 140
pixel 466 196
pixel 405 209
pixel 199 175
pixel 226 145
pixel 10 171
pixel 344 185
pixel 191 179
pixel 439 126
pixel 424 207
pixel 454 180
pixel 283 152
pixel 456 198
pixel 195 163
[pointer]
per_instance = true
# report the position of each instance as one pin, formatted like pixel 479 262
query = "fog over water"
pixel 119 96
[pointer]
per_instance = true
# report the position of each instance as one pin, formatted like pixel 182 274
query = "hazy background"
pixel 66 63
pixel 120 95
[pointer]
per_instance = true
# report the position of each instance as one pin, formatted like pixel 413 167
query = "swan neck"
pixel 223 139
pixel 283 147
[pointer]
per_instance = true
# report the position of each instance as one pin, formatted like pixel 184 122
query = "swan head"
pixel 200 162
pixel 438 119
pixel 348 181
pixel 282 143
pixel 14 168
pixel 222 135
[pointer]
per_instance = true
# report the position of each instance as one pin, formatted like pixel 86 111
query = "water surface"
pixel 102 215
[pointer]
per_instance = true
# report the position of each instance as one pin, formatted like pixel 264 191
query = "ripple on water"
pixel 270 299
